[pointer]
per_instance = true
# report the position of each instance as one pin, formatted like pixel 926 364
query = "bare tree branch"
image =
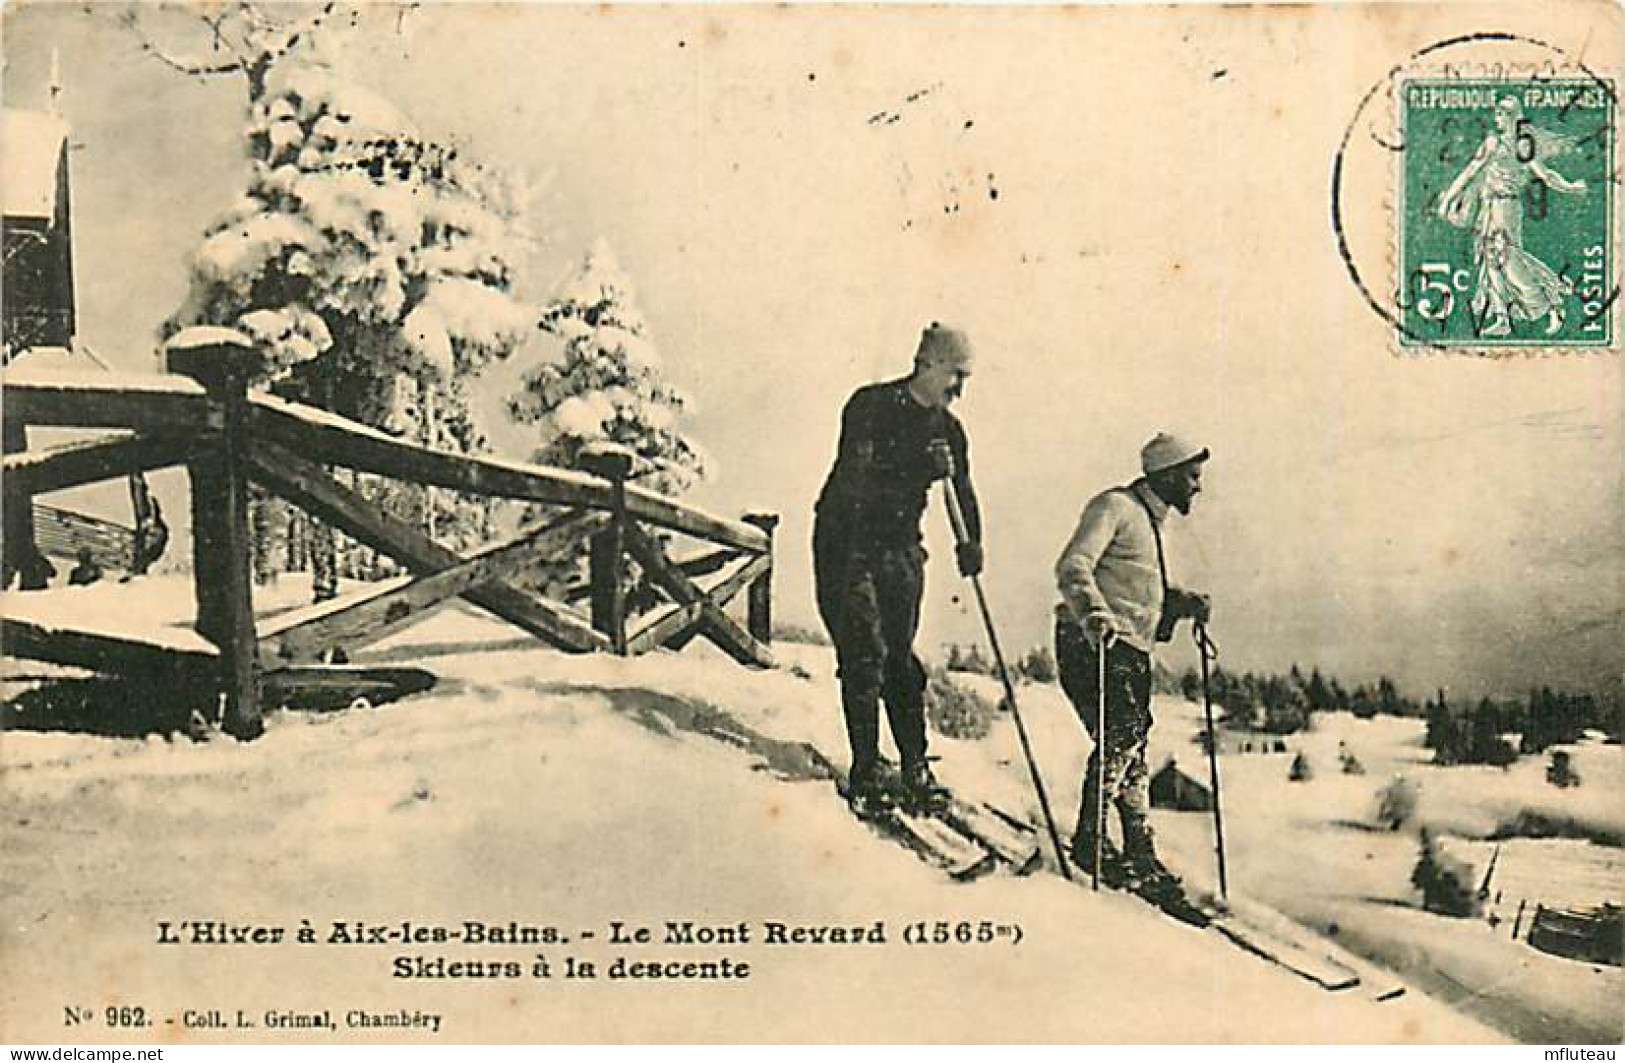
pixel 190 67
pixel 263 41
pixel 305 28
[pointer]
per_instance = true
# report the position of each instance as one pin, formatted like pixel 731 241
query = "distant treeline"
pixel 1477 735
pixel 1284 704
pixel 1465 734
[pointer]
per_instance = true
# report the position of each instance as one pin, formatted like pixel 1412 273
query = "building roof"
pixel 1171 769
pixel 31 142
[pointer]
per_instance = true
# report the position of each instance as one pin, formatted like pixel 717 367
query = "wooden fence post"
pixel 21 551
pixel 607 561
pixel 759 607
pixel 222 555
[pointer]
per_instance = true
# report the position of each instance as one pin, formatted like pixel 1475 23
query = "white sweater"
pixel 1109 567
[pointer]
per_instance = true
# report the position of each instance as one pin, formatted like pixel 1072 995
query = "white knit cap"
pixel 1165 451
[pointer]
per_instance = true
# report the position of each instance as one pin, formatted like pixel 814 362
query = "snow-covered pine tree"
pixel 374 266
pixel 607 385
pixel 1446 883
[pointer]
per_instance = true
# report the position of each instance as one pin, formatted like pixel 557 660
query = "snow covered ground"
pixel 572 792
pixel 1310 850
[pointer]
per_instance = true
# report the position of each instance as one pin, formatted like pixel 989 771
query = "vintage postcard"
pixel 530 523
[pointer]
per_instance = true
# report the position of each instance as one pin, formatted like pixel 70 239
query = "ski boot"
pixel 1114 874
pixel 922 793
pixel 1155 884
pixel 867 798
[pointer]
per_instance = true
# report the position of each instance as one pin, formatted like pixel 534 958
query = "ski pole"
pixel 1100 760
pixel 961 537
pixel 1209 651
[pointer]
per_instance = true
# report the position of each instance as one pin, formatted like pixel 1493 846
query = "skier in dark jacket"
pixel 897 439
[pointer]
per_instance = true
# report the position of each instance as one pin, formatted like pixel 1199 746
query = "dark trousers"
pixel 869 599
pixel 1128 730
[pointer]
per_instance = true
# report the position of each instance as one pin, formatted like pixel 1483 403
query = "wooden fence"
pixel 1594 935
pixel 202 415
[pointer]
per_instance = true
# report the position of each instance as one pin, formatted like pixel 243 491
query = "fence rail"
pixel 201 414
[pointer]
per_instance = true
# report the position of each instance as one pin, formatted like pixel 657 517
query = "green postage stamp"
pixel 1506 213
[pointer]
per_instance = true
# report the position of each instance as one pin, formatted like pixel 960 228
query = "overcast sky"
pixel 1141 241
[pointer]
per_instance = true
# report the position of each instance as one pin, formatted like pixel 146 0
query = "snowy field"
pixel 1311 850
pixel 563 791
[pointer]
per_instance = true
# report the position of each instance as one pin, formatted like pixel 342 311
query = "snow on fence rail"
pixel 202 415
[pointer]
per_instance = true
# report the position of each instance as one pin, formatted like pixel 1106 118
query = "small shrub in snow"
pixel 1301 771
pixel 1396 803
pixel 968 659
pixel 1038 665
pixel 1529 824
pixel 1347 761
pixel 1560 771
pixel 954 709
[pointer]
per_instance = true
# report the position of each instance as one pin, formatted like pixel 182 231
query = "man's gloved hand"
pixel 941 459
pixel 970 559
pixel 1100 629
pixel 1182 604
